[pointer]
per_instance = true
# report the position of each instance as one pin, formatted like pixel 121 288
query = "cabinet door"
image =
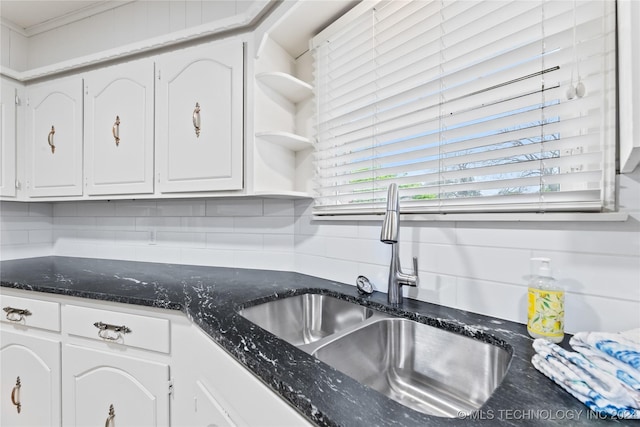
pixel 36 362
pixel 102 388
pixel 118 133
pixel 54 138
pixel 7 139
pixel 208 411
pixel 224 393
pixel 199 122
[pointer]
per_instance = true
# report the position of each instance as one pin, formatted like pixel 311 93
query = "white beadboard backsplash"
pixel 476 266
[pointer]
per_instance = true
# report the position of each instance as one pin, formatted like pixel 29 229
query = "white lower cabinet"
pixel 225 393
pixel 207 410
pixel 78 367
pixel 29 362
pixel 115 367
pixel 29 380
pixel 103 388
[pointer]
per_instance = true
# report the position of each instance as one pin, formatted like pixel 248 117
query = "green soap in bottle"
pixel 546 303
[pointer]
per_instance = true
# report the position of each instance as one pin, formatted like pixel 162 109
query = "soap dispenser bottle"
pixel 546 303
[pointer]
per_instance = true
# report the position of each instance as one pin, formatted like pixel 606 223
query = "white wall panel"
pixel 208 225
pixel 208 257
pixel 503 300
pixel 235 241
pixel 26 230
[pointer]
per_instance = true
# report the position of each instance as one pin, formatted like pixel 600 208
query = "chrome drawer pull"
pixel 16 314
pixel 50 139
pixel 15 395
pixel 196 119
pixel 115 130
pixel 110 419
pixel 111 332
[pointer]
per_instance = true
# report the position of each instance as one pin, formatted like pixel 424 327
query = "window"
pixel 470 106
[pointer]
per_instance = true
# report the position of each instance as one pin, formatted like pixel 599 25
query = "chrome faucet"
pixel 389 234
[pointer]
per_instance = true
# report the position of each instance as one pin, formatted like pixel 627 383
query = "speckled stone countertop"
pixel 211 297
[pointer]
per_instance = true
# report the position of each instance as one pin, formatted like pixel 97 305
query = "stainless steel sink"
pixel 306 318
pixel 425 368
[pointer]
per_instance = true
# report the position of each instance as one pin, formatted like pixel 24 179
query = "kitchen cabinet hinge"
pixel 170 387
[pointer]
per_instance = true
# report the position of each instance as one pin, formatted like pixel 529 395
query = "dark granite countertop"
pixel 212 296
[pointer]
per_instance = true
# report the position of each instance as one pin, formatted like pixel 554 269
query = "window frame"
pixel 531 215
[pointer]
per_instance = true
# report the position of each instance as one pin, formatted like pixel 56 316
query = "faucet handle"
pixel 415 265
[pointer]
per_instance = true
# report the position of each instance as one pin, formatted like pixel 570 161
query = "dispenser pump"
pixel 542 267
pixel 545 268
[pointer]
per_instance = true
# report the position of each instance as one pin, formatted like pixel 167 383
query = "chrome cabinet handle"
pixel 111 332
pixel 50 139
pixel 115 130
pixel 15 395
pixel 16 314
pixel 196 119
pixel 112 414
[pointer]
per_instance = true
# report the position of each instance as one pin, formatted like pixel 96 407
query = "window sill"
pixel 495 217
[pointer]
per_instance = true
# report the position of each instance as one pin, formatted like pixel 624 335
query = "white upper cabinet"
pixel 7 139
pixel 199 121
pixel 118 129
pixel 54 138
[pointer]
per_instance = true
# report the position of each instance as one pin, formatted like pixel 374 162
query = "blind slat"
pixel 466 106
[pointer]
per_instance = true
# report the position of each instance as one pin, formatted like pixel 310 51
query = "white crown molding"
pixel 13 27
pixel 241 22
pixel 68 18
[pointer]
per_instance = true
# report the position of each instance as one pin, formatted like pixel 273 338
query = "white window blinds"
pixel 468 106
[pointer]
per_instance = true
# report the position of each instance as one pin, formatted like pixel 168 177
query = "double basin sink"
pixel 427 369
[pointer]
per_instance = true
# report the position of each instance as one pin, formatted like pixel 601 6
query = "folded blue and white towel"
pixel 598 374
pixel 619 346
pixel 623 371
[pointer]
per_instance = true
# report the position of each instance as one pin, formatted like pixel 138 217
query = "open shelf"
pixel 286 139
pixel 292 88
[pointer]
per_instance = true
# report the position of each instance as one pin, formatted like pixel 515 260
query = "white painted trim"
pixel 289 195
pixel 12 26
pixel 261 33
pixel 342 22
pixel 629 87
pixel 237 22
pixel 494 217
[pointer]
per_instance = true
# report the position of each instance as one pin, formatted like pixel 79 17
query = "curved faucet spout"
pixel 391 225
pixel 390 234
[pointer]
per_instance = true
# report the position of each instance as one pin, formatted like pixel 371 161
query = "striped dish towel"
pixel 600 373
